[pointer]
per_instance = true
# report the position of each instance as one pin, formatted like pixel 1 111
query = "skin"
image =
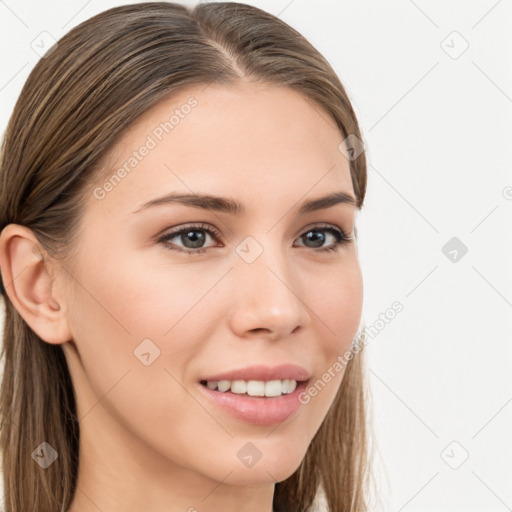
pixel 149 439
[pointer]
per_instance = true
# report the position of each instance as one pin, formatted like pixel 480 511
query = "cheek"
pixel 138 298
pixel 336 303
pixel 338 313
pixel 121 320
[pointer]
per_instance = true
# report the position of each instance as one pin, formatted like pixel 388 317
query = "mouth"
pixel 260 403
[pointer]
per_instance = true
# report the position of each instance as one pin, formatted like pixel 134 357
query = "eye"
pixel 194 236
pixel 191 236
pixel 339 235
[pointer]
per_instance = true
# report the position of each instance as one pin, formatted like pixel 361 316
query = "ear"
pixel 29 284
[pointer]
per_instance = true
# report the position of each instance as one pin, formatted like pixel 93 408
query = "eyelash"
pixel 340 235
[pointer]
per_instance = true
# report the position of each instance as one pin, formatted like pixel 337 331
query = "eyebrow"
pixel 233 207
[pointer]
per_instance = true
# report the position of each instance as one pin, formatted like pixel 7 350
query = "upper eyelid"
pixel 209 227
pixel 200 226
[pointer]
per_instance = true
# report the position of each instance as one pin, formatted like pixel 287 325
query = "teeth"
pixel 239 387
pixel 224 385
pixel 254 387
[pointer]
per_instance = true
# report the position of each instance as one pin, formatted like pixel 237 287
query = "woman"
pixel 178 250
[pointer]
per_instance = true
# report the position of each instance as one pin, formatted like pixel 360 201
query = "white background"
pixel 436 124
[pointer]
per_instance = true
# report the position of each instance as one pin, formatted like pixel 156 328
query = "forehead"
pixel 245 141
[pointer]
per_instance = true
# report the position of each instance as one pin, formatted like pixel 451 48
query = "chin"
pixel 273 469
pixel 261 476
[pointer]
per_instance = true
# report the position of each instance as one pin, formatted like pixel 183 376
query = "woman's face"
pixel 153 313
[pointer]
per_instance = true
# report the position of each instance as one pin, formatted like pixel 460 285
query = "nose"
pixel 267 299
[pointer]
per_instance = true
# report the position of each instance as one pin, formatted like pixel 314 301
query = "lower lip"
pixel 263 410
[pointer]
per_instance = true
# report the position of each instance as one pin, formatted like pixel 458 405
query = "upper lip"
pixel 262 372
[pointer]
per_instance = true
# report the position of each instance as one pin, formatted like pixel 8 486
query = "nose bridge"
pixel 267 295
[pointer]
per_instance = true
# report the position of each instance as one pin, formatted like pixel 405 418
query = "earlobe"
pixel 28 282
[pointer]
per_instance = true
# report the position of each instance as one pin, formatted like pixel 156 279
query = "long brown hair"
pixel 75 104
